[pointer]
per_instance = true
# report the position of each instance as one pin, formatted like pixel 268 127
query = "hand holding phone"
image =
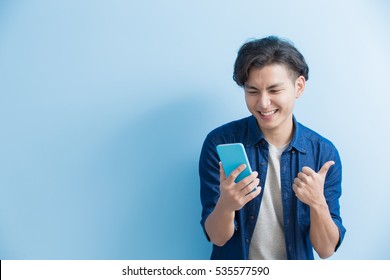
pixel 234 195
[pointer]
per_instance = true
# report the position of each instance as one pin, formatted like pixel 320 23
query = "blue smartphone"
pixel 232 156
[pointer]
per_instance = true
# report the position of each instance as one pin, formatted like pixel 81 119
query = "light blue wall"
pixel 104 106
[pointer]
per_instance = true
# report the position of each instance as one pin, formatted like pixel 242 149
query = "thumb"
pixel 324 169
pixel 222 175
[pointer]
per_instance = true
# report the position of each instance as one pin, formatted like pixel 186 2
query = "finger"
pixel 222 175
pixel 307 171
pixel 297 190
pixel 297 181
pixel 247 180
pixel 302 176
pixel 249 187
pixel 252 194
pixel 324 169
pixel 236 172
pixel 295 187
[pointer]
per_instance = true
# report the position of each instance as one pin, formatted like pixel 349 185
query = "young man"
pixel 297 179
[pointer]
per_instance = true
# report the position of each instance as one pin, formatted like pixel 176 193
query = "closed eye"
pixel 275 88
pixel 251 90
pixel 275 91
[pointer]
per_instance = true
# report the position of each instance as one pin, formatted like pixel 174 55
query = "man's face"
pixel 270 94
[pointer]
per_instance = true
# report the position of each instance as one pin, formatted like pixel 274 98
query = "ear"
pixel 300 84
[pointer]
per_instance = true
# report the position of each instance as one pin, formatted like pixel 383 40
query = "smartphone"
pixel 232 156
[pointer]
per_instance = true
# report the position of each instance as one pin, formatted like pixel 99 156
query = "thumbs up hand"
pixel 309 185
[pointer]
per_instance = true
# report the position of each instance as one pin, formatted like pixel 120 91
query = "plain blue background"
pixel 104 106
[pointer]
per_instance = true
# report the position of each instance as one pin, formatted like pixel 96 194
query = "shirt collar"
pixel 298 139
pixel 256 136
pixel 254 133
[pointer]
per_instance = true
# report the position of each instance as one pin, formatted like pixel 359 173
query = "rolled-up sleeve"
pixel 333 191
pixel 209 179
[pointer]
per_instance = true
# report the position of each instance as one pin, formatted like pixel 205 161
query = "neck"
pixel 280 136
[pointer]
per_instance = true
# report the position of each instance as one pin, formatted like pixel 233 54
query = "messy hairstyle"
pixel 258 53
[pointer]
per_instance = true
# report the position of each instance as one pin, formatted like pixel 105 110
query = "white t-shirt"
pixel 268 242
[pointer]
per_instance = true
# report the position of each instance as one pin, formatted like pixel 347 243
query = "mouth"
pixel 267 113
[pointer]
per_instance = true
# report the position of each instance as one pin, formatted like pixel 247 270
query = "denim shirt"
pixel 307 148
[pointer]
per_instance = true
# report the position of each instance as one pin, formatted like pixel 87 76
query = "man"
pixel 297 179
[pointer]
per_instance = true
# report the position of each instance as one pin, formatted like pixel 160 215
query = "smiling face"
pixel 270 94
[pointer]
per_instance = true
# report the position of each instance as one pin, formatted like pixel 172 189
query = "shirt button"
pixel 246 240
pixel 293 151
pixel 252 217
pixel 262 143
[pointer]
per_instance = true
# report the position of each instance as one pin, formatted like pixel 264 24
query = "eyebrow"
pixel 268 88
pixel 275 85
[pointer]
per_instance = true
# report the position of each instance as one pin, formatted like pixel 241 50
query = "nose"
pixel 263 101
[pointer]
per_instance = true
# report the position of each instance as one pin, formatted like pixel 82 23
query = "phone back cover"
pixel 233 155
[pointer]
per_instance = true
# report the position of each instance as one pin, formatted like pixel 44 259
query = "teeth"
pixel 268 113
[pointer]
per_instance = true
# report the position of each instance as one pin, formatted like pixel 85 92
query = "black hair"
pixel 258 53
